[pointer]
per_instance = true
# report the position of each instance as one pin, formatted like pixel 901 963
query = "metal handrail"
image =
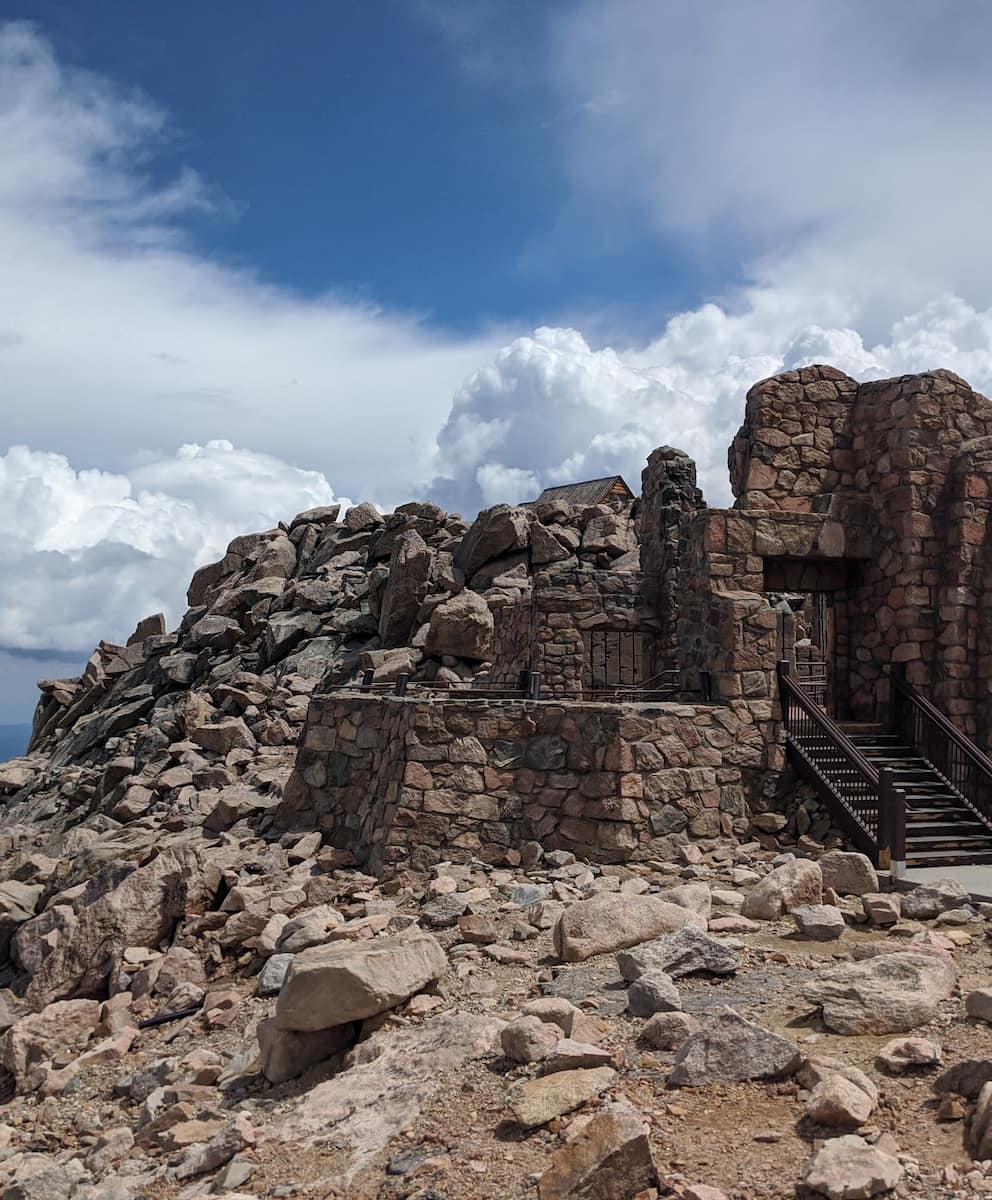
pixel 873 811
pixel 906 690
pixel 829 727
pixel 949 751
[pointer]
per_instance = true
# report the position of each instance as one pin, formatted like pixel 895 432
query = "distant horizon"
pixel 14 740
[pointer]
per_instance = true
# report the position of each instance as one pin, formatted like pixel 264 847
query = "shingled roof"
pixel 593 491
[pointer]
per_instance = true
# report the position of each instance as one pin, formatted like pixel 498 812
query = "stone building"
pixel 857 540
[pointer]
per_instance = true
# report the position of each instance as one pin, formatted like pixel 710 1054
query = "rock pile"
pixel 196 1002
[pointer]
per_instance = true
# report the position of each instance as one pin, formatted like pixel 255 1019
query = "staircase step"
pixel 947 858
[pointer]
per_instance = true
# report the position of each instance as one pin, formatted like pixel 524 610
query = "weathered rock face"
pixel 892 993
pixel 787 887
pixel 607 923
pixel 406 588
pixel 386 1082
pixel 611 1156
pixel 462 626
pixel 141 911
pixel 729 1048
pixel 37 1037
pixel 340 983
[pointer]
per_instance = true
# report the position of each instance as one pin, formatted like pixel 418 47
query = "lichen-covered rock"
pixel 728 1049
pixel 688 951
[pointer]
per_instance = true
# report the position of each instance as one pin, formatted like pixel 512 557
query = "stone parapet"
pixel 399 781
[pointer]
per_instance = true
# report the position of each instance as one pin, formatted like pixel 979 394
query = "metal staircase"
pixel 916 792
pixel 941 827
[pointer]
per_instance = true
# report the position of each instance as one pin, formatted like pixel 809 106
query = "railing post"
pixel 367 677
pixel 886 813
pixel 783 702
pixel 401 682
pixel 891 825
pixel 898 863
pixel 897 701
pixel 534 685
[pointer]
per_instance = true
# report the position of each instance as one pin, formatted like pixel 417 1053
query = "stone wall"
pixel 548 632
pixel 669 499
pixel 796 443
pixel 901 470
pixel 410 781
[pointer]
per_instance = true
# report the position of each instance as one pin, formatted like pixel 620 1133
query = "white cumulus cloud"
pixel 556 410
pixel 87 553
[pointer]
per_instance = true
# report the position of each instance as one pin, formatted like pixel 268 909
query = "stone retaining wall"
pixel 400 781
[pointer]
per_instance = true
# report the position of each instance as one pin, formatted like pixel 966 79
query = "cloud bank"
pixel 550 409
pixel 86 553
pixel 118 335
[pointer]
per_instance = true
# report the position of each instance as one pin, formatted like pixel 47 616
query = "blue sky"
pixel 376 149
pixel 258 257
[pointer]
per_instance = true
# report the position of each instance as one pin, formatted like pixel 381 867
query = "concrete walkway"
pixel 978 879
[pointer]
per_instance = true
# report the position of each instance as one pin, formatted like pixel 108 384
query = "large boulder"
pixel 611 921
pixel 350 981
pixel 494 533
pixel 848 873
pixel 609 533
pixel 142 911
pixel 610 1156
pixel 685 952
pixel 730 1049
pixel 891 993
pixel 362 517
pixel 849 1168
pixel 409 571
pixel 929 900
pixel 462 626
pixel 787 887
pixel 59 1031
pixel 287 1053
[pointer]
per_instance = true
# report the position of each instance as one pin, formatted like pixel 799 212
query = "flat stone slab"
pixel 603 981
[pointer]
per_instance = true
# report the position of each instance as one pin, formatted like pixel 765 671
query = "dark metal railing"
pixel 861 798
pixel 940 743
pixel 528 688
pixel 665 686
